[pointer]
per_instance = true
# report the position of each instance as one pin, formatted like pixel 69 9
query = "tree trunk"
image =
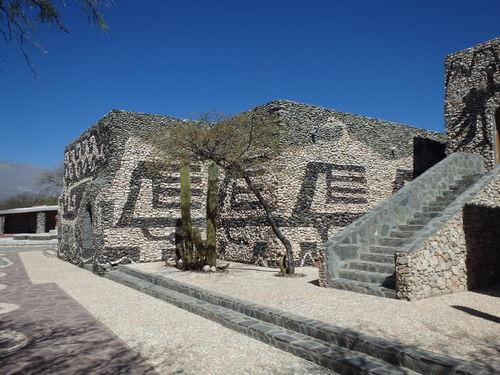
pixel 290 265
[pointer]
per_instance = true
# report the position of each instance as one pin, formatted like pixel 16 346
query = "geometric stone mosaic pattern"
pixel 44 331
pixel 115 209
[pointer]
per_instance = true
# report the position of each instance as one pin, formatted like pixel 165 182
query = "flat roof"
pixel 29 209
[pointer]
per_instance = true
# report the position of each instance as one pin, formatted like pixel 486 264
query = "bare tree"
pixel 238 145
pixel 52 179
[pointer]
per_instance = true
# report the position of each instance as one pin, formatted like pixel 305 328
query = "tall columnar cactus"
pixel 187 229
pixel 212 197
pixel 196 252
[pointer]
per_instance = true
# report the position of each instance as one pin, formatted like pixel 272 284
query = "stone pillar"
pixel 40 222
pixel 2 224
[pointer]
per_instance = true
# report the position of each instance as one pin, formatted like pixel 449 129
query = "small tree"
pixel 52 179
pixel 238 145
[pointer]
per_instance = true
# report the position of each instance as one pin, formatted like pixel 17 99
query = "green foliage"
pixel 28 200
pixel 19 18
pixel 239 145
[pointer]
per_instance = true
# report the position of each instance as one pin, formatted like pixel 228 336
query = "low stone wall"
pixel 463 253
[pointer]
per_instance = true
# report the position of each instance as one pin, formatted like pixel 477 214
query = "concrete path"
pixel 121 329
pixel 45 331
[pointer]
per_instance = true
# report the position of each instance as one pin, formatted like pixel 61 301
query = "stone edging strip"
pixel 418 360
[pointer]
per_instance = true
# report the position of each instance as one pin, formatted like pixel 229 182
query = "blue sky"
pixel 382 59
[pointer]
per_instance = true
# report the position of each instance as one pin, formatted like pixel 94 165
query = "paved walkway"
pixel 462 325
pixel 90 319
pixel 45 331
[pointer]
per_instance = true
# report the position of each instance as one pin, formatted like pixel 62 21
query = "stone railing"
pixel 397 209
pixel 438 260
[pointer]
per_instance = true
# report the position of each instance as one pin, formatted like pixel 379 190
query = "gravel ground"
pixel 463 325
pixel 173 340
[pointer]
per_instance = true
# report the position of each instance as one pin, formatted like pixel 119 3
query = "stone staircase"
pixel 373 271
pixel 341 350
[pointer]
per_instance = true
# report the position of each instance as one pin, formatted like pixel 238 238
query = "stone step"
pixel 444 199
pixel 379 258
pixel 409 227
pixel 391 241
pixel 383 250
pixel 368 277
pixel 362 287
pixel 434 207
pixel 426 215
pixel 347 251
pixel 402 233
pixel 419 221
pixel 383 268
pixel 326 354
pixel 469 179
pixel 422 361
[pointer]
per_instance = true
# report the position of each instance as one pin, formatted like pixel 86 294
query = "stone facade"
pixel 473 100
pixel 462 254
pixel 40 222
pixel 336 167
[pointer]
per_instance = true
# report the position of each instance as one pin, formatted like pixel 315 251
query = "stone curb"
pixel 399 355
pixel 331 356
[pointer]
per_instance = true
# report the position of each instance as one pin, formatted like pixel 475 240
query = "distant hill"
pixel 18 178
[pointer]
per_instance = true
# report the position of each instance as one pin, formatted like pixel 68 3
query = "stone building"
pixel 113 207
pixel 439 234
pixel 472 103
pixel 38 219
pixel 337 167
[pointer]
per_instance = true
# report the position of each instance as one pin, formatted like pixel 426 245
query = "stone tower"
pixel 472 103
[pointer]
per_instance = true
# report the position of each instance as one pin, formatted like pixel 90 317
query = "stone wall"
pixel 473 99
pixel 336 167
pixel 112 204
pixel 40 222
pixel 463 254
pixel 2 224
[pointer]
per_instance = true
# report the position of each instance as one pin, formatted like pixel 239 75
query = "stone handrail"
pixel 397 209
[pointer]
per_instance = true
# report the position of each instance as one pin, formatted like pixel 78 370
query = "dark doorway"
pixel 20 223
pixel 426 153
pixel 482 241
pixel 50 221
pixel 87 232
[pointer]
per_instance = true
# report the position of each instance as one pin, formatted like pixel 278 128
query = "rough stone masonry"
pixel 337 167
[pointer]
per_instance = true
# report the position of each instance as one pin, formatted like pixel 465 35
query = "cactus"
pixel 187 229
pixel 212 197
pixel 196 253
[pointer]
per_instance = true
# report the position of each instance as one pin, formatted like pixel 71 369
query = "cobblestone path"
pixel 45 331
